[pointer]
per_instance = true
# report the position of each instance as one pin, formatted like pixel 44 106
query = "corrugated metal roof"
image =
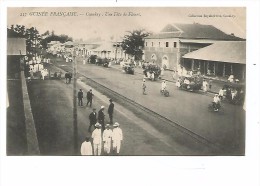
pixel 193 31
pixel 69 43
pixel 106 46
pixel 16 46
pixel 225 51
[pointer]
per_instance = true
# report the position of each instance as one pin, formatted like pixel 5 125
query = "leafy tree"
pixel 31 35
pixel 33 39
pixel 48 37
pixel 133 43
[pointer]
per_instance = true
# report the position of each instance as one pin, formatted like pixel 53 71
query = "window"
pixel 159 44
pixel 167 44
pixel 152 44
pixel 175 44
pixel 146 44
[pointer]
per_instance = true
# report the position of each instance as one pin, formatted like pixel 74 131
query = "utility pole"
pixel 75 116
pixel 116 52
pixel 35 42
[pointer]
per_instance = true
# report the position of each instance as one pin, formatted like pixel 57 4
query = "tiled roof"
pixel 223 51
pixel 193 31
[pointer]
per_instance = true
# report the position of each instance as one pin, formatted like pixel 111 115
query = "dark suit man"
pixel 89 97
pixel 110 111
pixel 70 77
pixel 92 119
pixel 67 77
pixel 80 97
pixel 101 117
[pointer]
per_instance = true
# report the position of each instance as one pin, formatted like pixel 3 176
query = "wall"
pixel 174 53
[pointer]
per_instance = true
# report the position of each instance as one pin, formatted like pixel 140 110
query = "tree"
pixel 33 40
pixel 48 37
pixel 133 43
pixel 31 35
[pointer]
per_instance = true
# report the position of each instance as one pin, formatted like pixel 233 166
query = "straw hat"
pixel 116 124
pixel 97 125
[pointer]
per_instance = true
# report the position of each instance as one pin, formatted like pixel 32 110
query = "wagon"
pixel 191 83
pixel 234 93
pixel 128 68
pixel 152 71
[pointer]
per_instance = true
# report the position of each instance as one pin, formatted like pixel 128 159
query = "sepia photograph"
pixel 126 81
pixel 129 93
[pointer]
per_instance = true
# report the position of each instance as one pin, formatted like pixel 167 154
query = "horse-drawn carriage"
pixel 234 93
pixel 128 68
pixel 92 59
pixel 151 71
pixel 190 82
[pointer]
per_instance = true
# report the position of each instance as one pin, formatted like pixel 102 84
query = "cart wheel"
pixel 166 94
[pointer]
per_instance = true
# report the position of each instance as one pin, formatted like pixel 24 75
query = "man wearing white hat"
pixel 216 102
pixel 117 137
pixel 97 139
pixel 107 138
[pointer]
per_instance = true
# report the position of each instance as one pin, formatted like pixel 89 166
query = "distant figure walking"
pixel 70 77
pixel 89 97
pixel 101 117
pixel 144 87
pixel 107 138
pixel 86 148
pixel 67 77
pixel 205 85
pixel 80 97
pixel 92 119
pixel 97 139
pixel 117 137
pixel 110 111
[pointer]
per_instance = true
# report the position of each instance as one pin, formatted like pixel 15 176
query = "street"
pixel 143 135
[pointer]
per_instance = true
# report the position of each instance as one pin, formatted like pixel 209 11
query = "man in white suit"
pixel 117 138
pixel 97 139
pixel 107 138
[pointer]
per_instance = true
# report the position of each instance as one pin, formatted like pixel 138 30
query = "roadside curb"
pixel 31 134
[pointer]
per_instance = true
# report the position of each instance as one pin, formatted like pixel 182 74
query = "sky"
pixel 94 22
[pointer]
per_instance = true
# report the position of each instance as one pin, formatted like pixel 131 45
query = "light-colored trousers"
pixel 117 145
pixel 107 146
pixel 97 149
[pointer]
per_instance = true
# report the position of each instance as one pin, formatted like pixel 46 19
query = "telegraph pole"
pixel 75 116
pixel 116 52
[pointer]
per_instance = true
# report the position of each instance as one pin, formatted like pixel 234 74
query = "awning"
pixel 226 51
pixel 16 46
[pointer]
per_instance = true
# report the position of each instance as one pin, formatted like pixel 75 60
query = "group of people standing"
pixel 107 141
pixel 68 77
pixel 104 136
pixel 35 65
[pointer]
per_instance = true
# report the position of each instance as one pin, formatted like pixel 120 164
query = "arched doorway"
pixel 165 62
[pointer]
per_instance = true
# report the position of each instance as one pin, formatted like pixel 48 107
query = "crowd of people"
pixel 35 66
pixel 106 138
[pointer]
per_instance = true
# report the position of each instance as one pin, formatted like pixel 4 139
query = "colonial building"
pixel 175 40
pixel 109 50
pixel 219 59
pixel 16 50
pixel 103 49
